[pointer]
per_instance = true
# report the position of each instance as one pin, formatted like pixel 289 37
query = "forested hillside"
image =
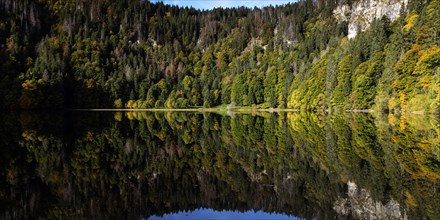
pixel 137 54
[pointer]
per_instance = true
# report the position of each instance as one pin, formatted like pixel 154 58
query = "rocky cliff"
pixel 360 205
pixel 360 15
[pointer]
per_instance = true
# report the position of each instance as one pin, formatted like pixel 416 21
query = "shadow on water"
pixel 104 165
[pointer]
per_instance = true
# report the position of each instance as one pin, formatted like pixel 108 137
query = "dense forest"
pixel 138 54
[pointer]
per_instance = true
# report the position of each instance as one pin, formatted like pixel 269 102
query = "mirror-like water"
pixel 143 165
pixel 203 214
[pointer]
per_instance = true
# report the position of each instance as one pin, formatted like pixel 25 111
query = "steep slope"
pixel 131 54
pixel 362 13
pixel 377 67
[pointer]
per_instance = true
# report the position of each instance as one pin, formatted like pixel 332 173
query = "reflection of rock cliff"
pixel 360 205
pixel 360 15
pixel 297 164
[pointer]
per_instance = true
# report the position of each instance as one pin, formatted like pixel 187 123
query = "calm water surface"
pixel 140 165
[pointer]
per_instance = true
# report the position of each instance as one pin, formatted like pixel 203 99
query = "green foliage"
pixel 365 82
pixel 269 87
pixel 82 54
pixel 417 67
pixel 343 88
pixel 118 103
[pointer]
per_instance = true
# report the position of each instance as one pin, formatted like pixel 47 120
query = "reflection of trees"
pixel 375 154
pixel 414 145
pixel 156 163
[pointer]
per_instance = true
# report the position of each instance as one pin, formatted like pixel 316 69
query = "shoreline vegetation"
pixel 244 109
pixel 195 109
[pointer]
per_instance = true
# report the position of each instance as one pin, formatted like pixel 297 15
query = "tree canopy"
pixel 137 54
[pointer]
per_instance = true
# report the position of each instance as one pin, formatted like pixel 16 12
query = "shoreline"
pixel 233 110
pixel 244 109
pixel 215 109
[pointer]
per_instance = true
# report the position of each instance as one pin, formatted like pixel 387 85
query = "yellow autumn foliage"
pixel 410 20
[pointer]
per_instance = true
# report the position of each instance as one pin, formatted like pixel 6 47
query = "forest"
pixel 58 54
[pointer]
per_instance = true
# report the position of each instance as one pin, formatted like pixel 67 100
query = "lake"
pixel 177 165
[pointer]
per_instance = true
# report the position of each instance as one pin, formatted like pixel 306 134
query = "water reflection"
pixel 140 165
pixel 203 214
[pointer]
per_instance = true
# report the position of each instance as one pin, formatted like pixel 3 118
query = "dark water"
pixel 94 165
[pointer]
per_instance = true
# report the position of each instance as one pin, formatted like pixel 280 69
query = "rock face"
pixel 360 15
pixel 360 205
